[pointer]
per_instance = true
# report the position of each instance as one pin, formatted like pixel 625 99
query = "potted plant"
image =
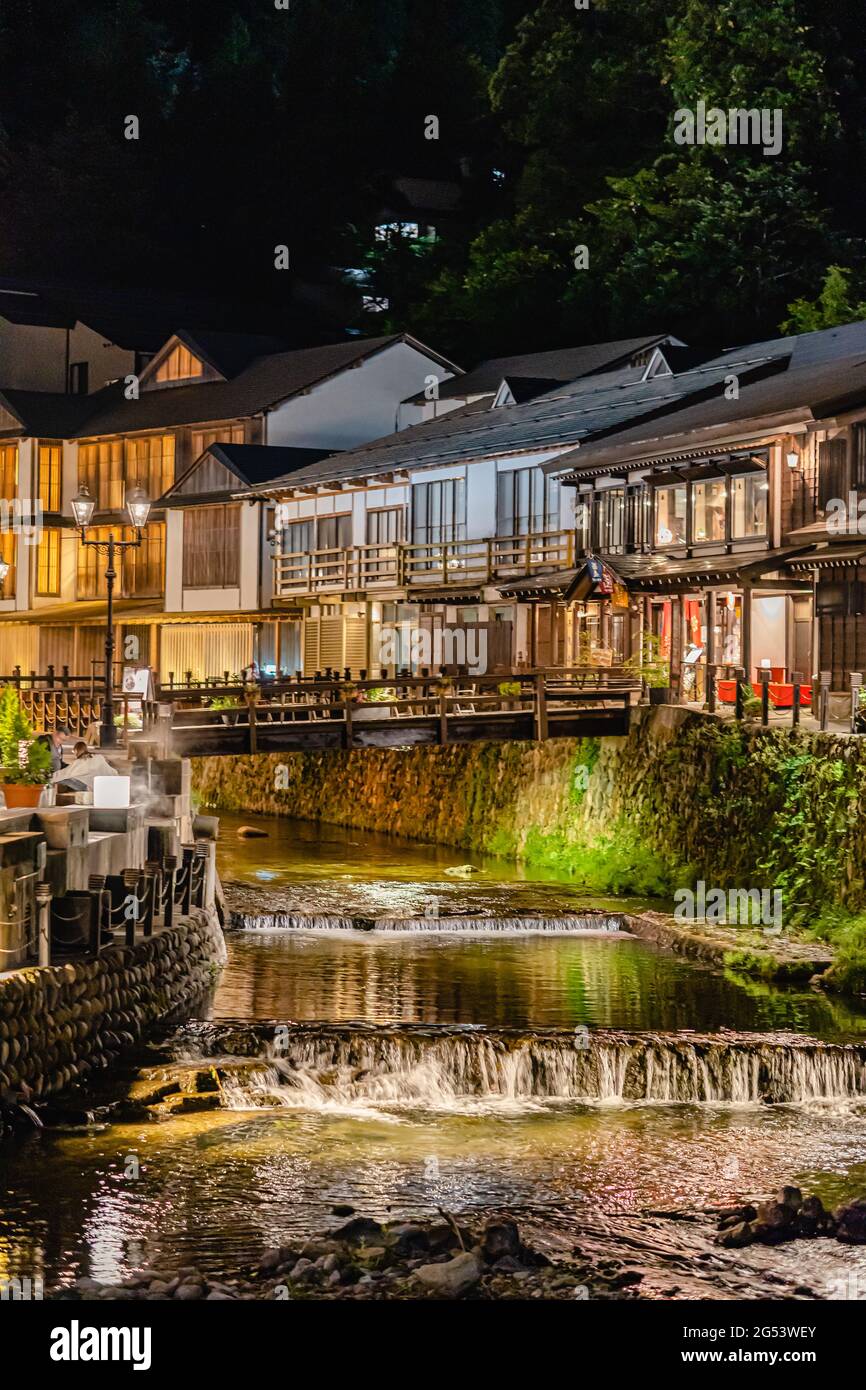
pixel 510 692
pixel 653 671
pixel 377 695
pixel 26 761
pixel 227 706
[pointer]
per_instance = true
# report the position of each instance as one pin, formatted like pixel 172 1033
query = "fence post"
pixel 170 871
pixel 825 678
pixel 152 886
pixel 796 682
pixel 43 907
pixel 96 888
pixel 201 853
pixel 132 883
pixel 856 684
pixel 739 676
pixel 186 896
pixel 764 678
pixel 711 689
pixel 443 716
pixel 540 708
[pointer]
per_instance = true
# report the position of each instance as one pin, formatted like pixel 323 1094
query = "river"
pixel 558 1074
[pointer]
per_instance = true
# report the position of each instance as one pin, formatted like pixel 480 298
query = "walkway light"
pixel 138 506
pixel 82 507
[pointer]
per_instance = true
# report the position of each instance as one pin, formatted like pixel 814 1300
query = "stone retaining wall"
pixel 59 1022
pixel 684 796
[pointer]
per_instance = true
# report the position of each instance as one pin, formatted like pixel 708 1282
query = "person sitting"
pixel 78 776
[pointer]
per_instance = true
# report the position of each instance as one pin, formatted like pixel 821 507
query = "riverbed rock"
pixel 500 1238
pixel 452 1278
pixel 774 1223
pixel 251 832
pixel 851 1222
pixel 361 1230
pixel 458 870
pixel 736 1236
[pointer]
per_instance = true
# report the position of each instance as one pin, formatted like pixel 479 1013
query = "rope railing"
pixel 133 903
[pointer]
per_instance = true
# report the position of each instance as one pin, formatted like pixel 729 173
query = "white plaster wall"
pixel 174 560
pixel 360 404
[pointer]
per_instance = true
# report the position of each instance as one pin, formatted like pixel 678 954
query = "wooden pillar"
pixel 710 649
pixel 746 631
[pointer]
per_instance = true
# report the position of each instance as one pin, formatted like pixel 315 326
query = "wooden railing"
pixel 416 564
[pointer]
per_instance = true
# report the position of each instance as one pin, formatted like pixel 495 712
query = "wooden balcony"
pixel 414 566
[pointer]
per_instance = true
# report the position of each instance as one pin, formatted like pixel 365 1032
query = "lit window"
pixel 48 563
pixel 179 365
pixel 49 476
pixel 709 500
pixel 670 515
pixel 749 505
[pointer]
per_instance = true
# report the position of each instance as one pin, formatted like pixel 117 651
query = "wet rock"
pixel 189 1293
pixel 790 1197
pixel 774 1223
pixel 361 1230
pixel 851 1222
pixel 500 1238
pixel 251 832
pixel 458 870
pixel 812 1219
pixel 452 1278
pixel 735 1237
pixel 735 1216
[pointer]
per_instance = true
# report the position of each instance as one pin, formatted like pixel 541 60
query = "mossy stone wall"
pixel 684 796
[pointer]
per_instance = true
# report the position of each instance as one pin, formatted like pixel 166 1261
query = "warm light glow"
pixel 82 507
pixel 138 506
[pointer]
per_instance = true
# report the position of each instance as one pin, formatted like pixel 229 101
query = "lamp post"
pixel 138 507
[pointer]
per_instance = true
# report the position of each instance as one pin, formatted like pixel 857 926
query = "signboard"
pixel 138 681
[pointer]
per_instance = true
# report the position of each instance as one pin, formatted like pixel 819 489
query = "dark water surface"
pixel 216 1189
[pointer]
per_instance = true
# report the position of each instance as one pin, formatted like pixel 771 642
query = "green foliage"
pixel 648 665
pixel 223 702
pixel 617 863
pixel 509 689
pixel 24 759
pixel 835 304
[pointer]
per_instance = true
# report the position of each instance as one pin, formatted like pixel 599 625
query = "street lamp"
pixel 138 507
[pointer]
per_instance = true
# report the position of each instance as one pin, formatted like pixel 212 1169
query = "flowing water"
pixel 493 1042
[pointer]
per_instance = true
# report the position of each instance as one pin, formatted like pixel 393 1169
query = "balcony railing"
pixel 419 564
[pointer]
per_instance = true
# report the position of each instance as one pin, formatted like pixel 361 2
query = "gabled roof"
pixel 804 392
pixel 264 383
pixel 573 412
pixel 557 365
pixel 230 353
pixel 48 413
pixel 247 465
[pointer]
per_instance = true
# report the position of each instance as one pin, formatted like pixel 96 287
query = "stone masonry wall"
pixel 59 1022
pixel 683 796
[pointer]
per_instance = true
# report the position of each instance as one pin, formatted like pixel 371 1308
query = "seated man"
pixel 78 776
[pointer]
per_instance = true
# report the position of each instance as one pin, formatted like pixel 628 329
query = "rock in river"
pixel 453 1277
pixel 251 832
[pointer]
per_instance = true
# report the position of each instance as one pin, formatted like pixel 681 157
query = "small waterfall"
pixel 569 922
pixel 316 1066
